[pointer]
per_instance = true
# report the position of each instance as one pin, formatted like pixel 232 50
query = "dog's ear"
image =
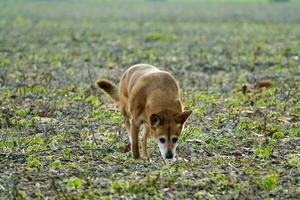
pixel 182 117
pixel 155 120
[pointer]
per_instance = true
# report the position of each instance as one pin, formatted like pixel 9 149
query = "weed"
pixel 268 182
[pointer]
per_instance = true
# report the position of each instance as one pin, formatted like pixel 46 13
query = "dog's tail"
pixel 109 88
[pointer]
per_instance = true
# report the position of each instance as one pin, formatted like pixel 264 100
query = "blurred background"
pixel 191 36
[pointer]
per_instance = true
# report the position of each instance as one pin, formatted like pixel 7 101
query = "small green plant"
pixel 278 135
pixel 67 152
pixel 217 160
pixel 56 164
pixel 92 100
pixel 23 112
pixel 295 132
pixel 222 179
pixel 73 183
pixel 262 151
pixel 294 160
pixel 275 131
pixel 23 122
pixel 120 186
pixel 268 182
pixel 36 140
pixel 33 162
pixel 110 136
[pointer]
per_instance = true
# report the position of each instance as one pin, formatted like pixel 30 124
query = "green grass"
pixel 60 137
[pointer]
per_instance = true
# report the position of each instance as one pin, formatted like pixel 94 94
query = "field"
pixel 237 62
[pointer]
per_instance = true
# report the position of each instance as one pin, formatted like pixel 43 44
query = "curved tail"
pixel 109 88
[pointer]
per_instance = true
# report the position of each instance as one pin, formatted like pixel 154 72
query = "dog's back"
pixel 145 85
pixel 134 73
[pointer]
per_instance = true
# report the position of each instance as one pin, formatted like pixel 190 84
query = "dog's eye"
pixel 174 140
pixel 162 140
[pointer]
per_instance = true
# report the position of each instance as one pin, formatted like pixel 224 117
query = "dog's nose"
pixel 169 155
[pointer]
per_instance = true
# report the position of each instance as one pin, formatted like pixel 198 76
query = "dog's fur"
pixel 150 97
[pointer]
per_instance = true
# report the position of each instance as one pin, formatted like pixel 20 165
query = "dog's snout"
pixel 169 155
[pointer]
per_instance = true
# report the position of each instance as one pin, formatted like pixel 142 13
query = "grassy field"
pixel 61 138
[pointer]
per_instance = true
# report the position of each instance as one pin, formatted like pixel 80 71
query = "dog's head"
pixel 166 130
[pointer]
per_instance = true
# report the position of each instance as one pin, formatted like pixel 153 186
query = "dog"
pixel 149 97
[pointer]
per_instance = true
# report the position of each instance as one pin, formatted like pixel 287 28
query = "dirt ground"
pixel 237 63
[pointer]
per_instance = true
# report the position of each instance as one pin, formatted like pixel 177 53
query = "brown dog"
pixel 150 97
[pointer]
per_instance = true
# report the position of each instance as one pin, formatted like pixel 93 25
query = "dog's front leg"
pixel 144 141
pixel 134 131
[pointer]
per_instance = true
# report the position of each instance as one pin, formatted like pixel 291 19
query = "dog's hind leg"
pixel 126 119
pixel 127 124
pixel 134 131
pixel 127 147
pixel 145 136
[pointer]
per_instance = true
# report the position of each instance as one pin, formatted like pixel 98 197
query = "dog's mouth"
pixel 167 154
